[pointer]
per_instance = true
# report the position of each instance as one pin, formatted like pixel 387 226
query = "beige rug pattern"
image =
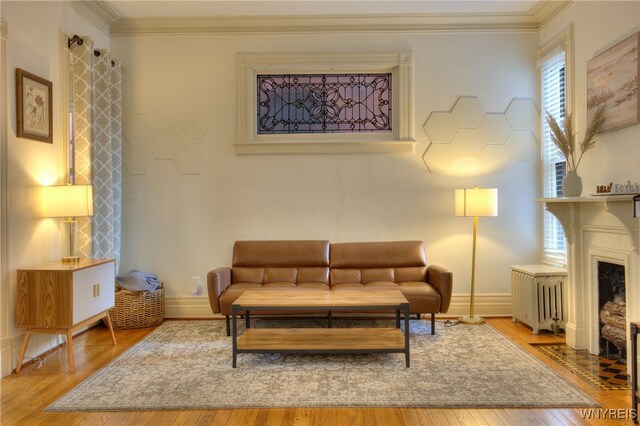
pixel 187 365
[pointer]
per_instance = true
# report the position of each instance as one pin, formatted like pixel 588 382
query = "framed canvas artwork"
pixel 612 80
pixel 33 104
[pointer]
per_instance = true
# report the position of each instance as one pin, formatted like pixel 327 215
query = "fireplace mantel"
pixel 620 206
pixel 597 229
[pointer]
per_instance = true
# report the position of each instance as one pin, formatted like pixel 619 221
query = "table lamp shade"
pixel 476 202
pixel 67 201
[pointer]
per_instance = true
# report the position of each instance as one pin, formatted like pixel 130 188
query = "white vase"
pixel 571 184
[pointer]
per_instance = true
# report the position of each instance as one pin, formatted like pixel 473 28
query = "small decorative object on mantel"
pixel 618 188
pixel 636 206
pixel 565 139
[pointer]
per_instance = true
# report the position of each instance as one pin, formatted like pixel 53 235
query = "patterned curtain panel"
pixel 98 147
pixel 81 61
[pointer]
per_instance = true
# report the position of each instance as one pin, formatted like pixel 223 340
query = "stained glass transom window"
pixel 324 103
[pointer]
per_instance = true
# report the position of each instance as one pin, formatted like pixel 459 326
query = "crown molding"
pixel 553 11
pixel 98 12
pixel 106 18
pixel 396 23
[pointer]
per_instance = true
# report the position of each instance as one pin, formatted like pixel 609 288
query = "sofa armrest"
pixel 217 281
pixel 442 280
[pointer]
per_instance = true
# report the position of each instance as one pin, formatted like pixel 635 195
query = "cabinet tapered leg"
pixel 23 351
pixel 72 367
pixel 110 327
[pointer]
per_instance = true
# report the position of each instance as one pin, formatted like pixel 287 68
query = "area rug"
pixel 600 372
pixel 187 365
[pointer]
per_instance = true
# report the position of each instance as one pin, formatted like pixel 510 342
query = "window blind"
pixel 553 88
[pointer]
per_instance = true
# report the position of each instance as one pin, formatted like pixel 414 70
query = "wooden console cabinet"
pixel 60 298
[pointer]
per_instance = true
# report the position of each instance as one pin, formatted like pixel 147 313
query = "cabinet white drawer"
pixel 93 291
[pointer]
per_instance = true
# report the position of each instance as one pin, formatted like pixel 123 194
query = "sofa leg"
pixel 226 320
pixel 433 323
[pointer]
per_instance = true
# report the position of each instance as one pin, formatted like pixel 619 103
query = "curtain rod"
pixel 75 39
pixel 97 53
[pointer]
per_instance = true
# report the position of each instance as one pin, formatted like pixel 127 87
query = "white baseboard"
pixel 494 304
pixel 490 304
pixel 38 345
pixel 188 307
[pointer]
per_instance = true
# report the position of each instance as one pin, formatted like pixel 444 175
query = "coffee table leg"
pixel 234 323
pixel 405 309
pixel 248 318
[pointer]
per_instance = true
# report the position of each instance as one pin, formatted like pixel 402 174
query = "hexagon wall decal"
pixel 190 159
pixel 191 128
pixel 137 158
pixel 468 112
pixel 523 114
pixel 145 143
pixel 521 145
pixel 468 141
pixel 494 129
pixel 137 128
pixel 439 158
pixel 441 127
pixel 165 144
pixel 493 159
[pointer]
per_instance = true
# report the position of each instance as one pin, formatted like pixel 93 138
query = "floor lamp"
pixel 475 202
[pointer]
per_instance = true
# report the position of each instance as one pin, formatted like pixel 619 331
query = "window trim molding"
pixel 564 41
pixel 249 65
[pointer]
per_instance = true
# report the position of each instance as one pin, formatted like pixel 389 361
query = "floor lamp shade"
pixel 69 202
pixel 475 202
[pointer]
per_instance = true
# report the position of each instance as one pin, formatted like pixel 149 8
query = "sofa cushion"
pixel 377 274
pixel 313 275
pixel 280 275
pixel 386 284
pixel 247 275
pixel 339 276
pixel 347 286
pixel 391 254
pixel 314 286
pixel 411 273
pixel 421 296
pixel 281 253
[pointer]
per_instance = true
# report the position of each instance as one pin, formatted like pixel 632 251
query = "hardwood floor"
pixel 25 395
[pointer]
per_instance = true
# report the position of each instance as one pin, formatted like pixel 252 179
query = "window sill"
pixel 325 148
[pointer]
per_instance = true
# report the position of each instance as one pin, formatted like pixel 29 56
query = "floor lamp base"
pixel 471 320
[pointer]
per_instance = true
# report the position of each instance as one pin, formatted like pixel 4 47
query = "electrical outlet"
pixel 196 287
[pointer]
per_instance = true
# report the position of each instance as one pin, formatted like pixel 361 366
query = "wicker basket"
pixel 138 309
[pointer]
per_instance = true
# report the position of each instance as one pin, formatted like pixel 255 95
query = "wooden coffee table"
pixel 320 340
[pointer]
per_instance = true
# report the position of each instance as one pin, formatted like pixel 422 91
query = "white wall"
pixel 181 226
pixel 598 26
pixel 33 40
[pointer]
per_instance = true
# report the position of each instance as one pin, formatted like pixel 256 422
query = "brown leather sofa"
pixel 319 265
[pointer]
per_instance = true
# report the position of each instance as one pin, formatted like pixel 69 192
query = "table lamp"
pixel 68 202
pixel 475 202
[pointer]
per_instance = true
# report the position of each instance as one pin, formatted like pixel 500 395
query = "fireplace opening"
pixel 613 311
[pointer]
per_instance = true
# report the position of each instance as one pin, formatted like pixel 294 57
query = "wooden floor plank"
pixel 24 396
